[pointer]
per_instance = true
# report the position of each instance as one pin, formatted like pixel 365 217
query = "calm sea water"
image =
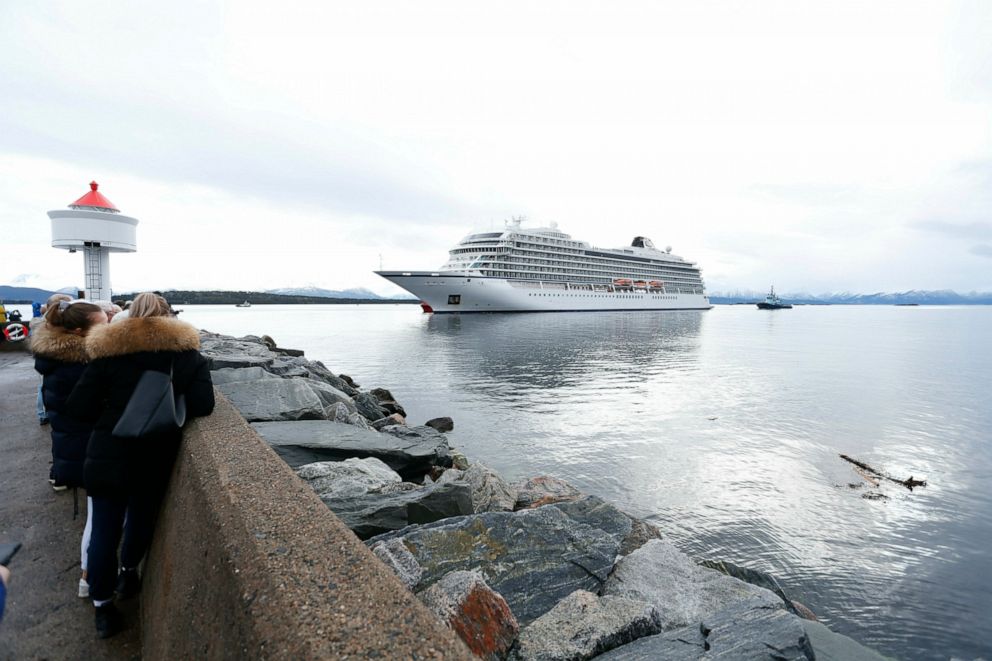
pixel 724 428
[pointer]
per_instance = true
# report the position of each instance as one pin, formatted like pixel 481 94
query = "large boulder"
pixel 544 490
pixel 397 506
pixel 238 374
pixel 421 435
pixel 302 443
pixel 683 592
pixel 583 625
pixel 479 615
pixel 533 558
pixel 595 511
pixel 274 399
pixel 350 477
pixel 747 630
pixel 229 352
pixel 288 366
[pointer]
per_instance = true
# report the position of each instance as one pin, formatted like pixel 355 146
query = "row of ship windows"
pixel 586 265
pixel 573 277
pixel 657 297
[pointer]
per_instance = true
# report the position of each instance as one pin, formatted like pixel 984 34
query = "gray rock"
pixel 583 625
pixel 441 424
pixel 338 412
pixel 228 352
pixel 359 420
pixel 683 592
pixel 595 511
pixel 369 406
pixel 544 490
pixel 388 421
pixel 376 513
pixel 533 558
pixel 324 440
pixel 351 477
pixel 421 434
pixel 350 381
pixel 746 630
pixel 382 395
pixel 397 557
pixel 235 374
pixel 392 407
pixel 329 395
pixel 830 646
pixel 283 366
pixel 317 370
pixel 274 399
pixel 490 492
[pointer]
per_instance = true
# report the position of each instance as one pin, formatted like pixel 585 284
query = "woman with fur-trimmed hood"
pixel 59 348
pixel 129 475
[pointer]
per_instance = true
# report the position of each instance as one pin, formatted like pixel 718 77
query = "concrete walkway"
pixel 44 619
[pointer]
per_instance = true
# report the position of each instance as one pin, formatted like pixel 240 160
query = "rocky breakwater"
pixel 529 570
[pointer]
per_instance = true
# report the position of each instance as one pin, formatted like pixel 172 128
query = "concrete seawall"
pixel 247 562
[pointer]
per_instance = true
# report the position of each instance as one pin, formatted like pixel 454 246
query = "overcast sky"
pixel 822 147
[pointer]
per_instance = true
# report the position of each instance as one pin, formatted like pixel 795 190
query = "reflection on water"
pixel 561 351
pixel 724 427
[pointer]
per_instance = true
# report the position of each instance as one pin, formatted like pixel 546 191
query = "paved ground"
pixel 44 618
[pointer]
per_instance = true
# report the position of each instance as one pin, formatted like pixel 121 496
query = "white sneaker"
pixel 84 589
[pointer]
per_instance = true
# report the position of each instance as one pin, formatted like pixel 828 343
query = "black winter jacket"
pixel 60 357
pixel 120 352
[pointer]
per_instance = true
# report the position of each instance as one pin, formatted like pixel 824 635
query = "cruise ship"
pixel 545 270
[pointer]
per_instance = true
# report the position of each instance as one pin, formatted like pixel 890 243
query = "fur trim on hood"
pixel 57 343
pixel 136 334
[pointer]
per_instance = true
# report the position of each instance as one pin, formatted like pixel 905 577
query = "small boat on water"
pixel 773 302
pixel 246 304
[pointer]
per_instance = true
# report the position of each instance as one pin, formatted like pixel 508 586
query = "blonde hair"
pixel 53 299
pixel 150 305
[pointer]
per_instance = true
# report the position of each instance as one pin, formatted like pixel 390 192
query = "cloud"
pixel 974 230
pixel 982 250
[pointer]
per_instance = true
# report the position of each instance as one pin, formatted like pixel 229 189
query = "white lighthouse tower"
pixel 94 225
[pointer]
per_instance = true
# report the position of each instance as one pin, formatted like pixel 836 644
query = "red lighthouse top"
pixel 94 199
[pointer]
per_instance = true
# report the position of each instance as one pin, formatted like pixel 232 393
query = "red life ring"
pixel 15 332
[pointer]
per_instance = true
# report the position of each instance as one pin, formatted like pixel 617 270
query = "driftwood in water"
pixel 909 482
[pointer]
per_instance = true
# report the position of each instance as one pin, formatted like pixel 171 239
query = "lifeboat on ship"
pixel 640 284
pixel 623 282
pixel 656 284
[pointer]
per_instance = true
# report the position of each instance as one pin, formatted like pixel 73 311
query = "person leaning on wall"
pixel 128 476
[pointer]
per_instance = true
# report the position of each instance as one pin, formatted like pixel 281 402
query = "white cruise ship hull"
pixel 448 292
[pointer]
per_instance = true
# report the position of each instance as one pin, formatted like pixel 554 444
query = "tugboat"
pixel 246 304
pixel 773 302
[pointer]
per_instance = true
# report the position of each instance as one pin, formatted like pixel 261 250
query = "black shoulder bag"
pixel 153 407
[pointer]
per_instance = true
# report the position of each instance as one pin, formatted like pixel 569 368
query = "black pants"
pixel 136 516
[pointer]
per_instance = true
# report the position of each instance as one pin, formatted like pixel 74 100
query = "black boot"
pixel 128 583
pixel 108 620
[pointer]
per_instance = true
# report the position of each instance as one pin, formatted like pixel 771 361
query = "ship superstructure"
pixel 544 269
